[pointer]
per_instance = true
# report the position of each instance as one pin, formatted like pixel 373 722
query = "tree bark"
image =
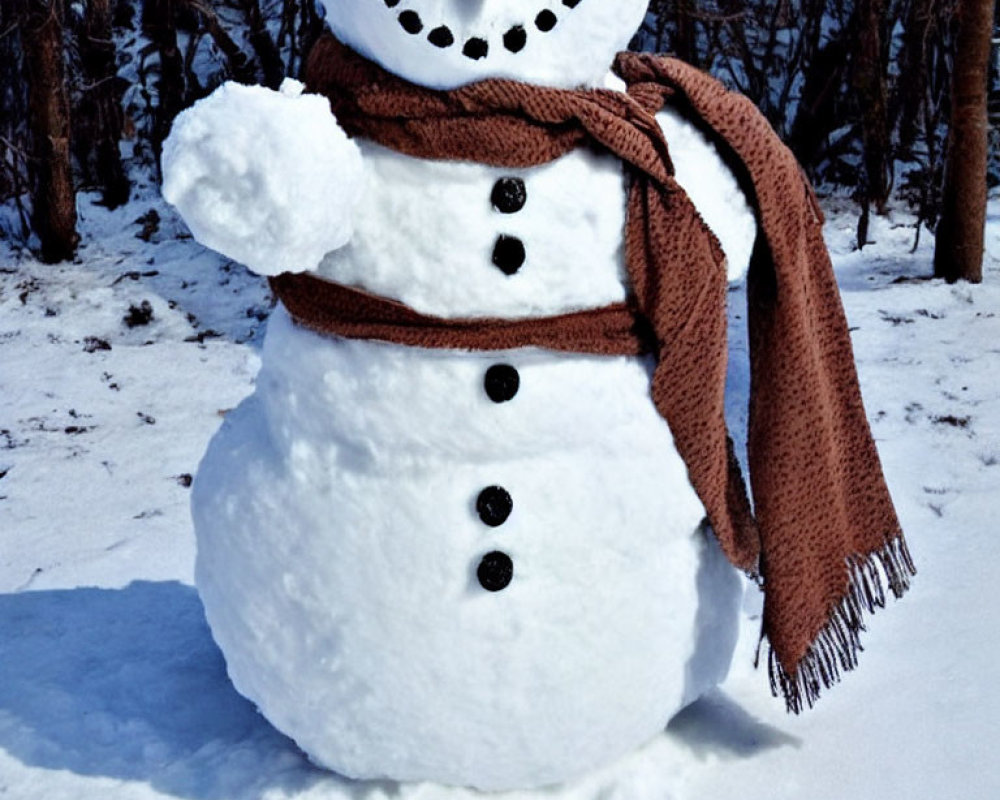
pixel 159 23
pixel 685 43
pixel 53 197
pixel 869 81
pixel 102 102
pixel 240 67
pixel 913 64
pixel 263 45
pixel 309 30
pixel 818 116
pixel 958 254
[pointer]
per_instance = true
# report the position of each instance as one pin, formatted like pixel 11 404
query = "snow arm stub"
pixel 266 178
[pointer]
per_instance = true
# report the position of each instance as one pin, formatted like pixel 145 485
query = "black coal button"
pixel 476 48
pixel 509 195
pixel 545 21
pixel 508 254
pixel 495 571
pixel 501 383
pixel 441 37
pixel 494 505
pixel 515 39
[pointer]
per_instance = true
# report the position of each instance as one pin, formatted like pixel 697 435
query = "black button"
pixel 508 254
pixel 545 21
pixel 502 382
pixel 494 505
pixel 495 571
pixel 509 195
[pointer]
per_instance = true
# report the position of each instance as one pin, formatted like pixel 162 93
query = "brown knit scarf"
pixel 823 522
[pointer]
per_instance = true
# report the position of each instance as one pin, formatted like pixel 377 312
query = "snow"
pixel 110 685
pixel 712 187
pixel 338 541
pixel 242 166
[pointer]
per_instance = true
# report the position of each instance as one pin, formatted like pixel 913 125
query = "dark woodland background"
pixel 867 93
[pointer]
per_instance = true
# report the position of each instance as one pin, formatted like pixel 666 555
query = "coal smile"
pixel 477 47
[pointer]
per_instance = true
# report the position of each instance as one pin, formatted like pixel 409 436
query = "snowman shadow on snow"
pixel 127 684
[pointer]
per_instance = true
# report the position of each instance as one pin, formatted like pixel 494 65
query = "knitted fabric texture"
pixel 823 535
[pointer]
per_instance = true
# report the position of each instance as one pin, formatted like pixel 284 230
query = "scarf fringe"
pixel 836 648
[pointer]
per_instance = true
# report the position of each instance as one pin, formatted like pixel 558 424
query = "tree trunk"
pixel 53 198
pixel 958 254
pixel 869 81
pixel 913 64
pixel 818 116
pixel 240 68
pixel 159 23
pixel 103 102
pixel 310 29
pixel 263 45
pixel 685 43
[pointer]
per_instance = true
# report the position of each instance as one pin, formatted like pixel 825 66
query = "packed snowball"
pixel 238 164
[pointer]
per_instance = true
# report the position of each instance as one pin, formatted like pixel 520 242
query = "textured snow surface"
pixel 713 189
pixel 338 543
pixel 110 684
pixel 242 165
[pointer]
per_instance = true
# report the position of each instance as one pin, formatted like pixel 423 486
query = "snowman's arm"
pixel 266 178
pixel 713 189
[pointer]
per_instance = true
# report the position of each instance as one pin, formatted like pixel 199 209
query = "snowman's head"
pixel 446 43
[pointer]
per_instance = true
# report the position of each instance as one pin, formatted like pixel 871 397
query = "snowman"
pixel 482 567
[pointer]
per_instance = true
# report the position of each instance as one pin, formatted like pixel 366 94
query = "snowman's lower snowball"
pixel 362 629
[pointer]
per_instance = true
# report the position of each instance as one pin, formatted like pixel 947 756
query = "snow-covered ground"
pixel 116 370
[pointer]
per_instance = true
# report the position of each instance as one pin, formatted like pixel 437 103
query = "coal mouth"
pixel 443 37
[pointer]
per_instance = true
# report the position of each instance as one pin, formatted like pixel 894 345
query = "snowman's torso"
pixel 340 538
